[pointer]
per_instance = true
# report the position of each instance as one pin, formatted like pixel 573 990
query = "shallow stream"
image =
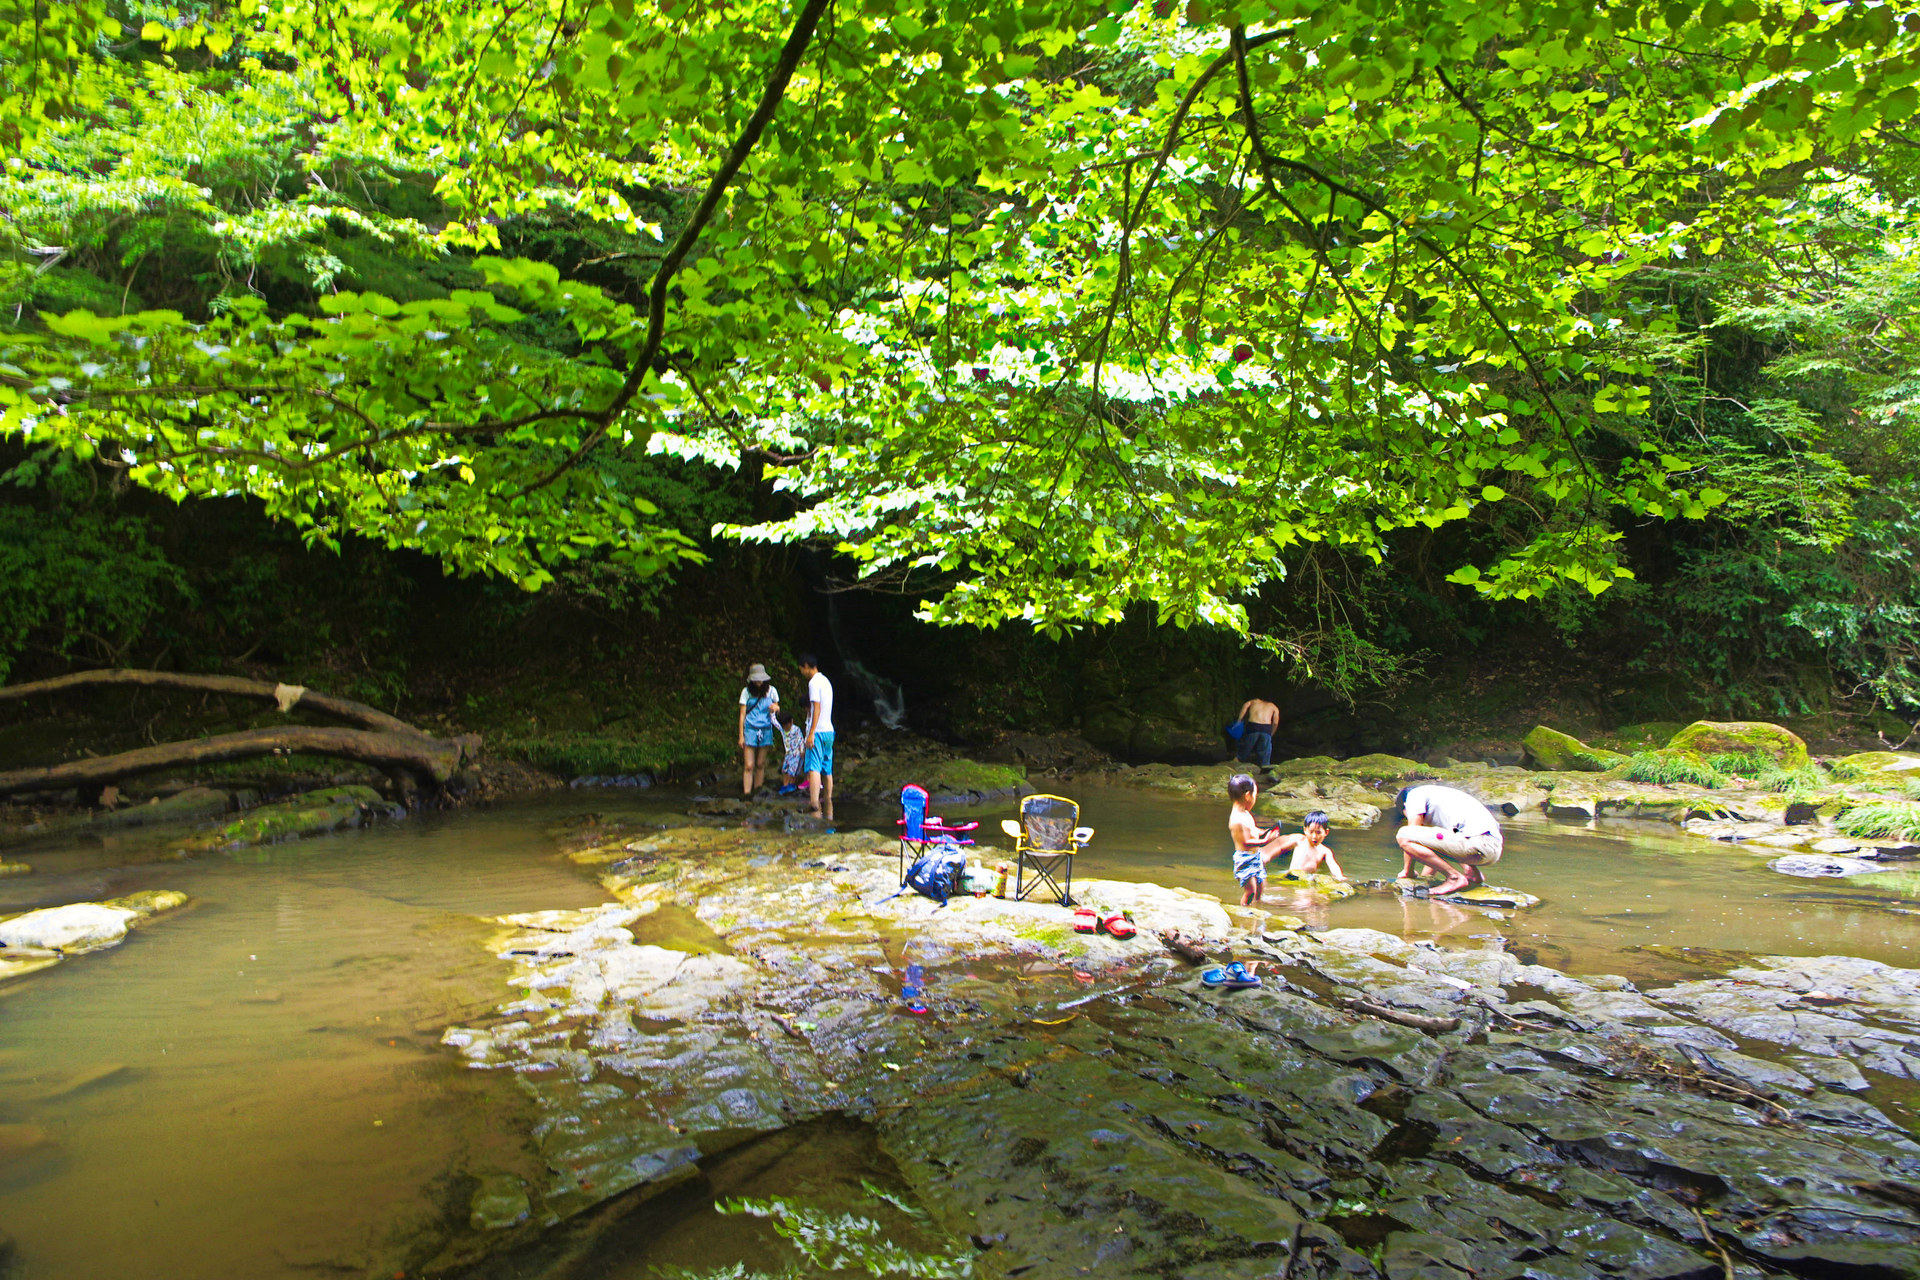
pixel 255 1087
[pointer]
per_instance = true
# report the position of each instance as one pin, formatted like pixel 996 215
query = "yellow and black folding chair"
pixel 1044 841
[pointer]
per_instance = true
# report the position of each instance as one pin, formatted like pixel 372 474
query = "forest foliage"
pixel 1285 319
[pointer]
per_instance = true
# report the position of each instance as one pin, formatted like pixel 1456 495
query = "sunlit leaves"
pixel 1042 309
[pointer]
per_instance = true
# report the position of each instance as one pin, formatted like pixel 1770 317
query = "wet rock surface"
pixel 1077 1104
pixel 311 813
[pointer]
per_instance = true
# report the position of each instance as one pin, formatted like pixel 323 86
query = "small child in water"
pixel 1249 862
pixel 1310 849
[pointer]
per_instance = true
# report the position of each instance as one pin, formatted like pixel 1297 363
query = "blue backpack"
pixel 936 873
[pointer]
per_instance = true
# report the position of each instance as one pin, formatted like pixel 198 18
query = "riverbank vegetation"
pixel 1379 350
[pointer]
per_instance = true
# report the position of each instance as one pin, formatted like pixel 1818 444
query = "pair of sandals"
pixel 1234 977
pixel 1118 925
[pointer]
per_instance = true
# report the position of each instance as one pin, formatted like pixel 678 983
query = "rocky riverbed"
pixel 1805 818
pixel 1074 1103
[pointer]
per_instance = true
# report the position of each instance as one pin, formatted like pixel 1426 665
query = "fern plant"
pixel 1882 820
pixel 1667 768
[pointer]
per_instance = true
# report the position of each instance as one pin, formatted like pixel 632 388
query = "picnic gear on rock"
pixel 935 874
pixel 1044 841
pixel 919 831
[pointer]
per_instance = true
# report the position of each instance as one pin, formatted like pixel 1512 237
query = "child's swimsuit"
pixel 1247 867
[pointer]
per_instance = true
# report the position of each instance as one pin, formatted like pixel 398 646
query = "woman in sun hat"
pixel 759 704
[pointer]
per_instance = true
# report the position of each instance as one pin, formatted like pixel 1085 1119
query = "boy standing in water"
pixel 1310 849
pixel 1249 863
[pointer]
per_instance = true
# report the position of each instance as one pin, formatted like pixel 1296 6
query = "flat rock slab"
pixel 1078 1105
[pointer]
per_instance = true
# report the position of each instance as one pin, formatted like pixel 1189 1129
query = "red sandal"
pixel 1084 920
pixel 1119 926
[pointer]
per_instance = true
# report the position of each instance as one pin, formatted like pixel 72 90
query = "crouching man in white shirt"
pixel 1443 823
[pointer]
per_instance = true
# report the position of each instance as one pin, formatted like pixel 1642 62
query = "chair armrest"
pixel 1011 827
pixel 1082 834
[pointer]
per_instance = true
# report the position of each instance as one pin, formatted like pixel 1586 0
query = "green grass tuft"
pixel 1882 820
pixel 1767 774
pixel 1666 769
pixel 1741 764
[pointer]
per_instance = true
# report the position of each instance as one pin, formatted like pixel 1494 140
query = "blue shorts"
pixel 1248 868
pixel 761 737
pixel 820 755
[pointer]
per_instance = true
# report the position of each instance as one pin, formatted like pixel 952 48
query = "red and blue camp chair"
pixel 918 830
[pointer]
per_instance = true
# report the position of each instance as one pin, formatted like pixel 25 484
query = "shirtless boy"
pixel 1249 841
pixel 1309 848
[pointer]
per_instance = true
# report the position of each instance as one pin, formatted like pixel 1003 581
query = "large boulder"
pixel 1551 750
pixel 1711 738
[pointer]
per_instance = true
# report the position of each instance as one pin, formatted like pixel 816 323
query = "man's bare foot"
pixel 1452 884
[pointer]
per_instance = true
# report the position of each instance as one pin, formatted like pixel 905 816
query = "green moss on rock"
pixel 149 902
pixel 1878 770
pixel 1552 750
pixel 1742 737
pixel 311 814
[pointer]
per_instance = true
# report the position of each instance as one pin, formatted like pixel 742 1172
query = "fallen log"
pixel 286 696
pixel 430 761
pixel 1418 1021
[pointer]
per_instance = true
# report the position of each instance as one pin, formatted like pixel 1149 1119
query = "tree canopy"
pixel 1037 309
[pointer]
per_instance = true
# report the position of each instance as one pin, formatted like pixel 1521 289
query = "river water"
pixel 254 1086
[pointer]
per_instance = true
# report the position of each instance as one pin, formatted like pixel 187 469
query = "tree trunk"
pixel 430 760
pixel 288 696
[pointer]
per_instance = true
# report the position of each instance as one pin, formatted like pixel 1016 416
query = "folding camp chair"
pixel 917 830
pixel 1044 841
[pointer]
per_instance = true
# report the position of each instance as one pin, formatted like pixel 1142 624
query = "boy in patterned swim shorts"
pixel 1249 841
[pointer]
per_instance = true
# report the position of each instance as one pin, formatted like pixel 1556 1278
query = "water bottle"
pixel 1000 889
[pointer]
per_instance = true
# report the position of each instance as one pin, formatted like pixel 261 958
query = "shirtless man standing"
pixel 1261 718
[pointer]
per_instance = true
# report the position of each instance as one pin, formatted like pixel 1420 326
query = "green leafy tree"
pixel 1039 308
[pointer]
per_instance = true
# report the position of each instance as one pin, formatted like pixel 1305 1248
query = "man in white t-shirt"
pixel 1444 820
pixel 819 739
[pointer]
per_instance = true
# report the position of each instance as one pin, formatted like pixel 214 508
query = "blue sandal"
pixel 1237 977
pixel 1214 978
